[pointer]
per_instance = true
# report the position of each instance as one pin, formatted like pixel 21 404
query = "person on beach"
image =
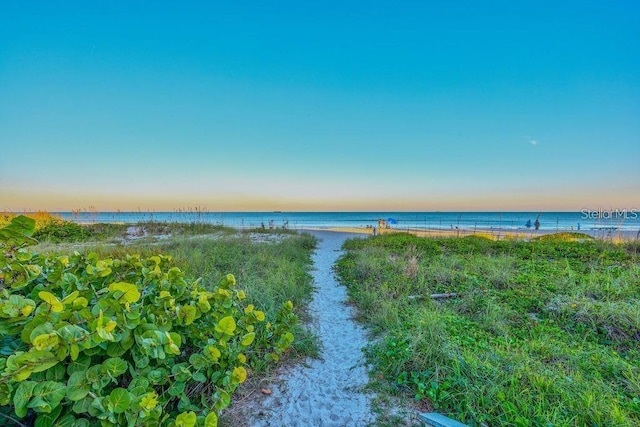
pixel 537 224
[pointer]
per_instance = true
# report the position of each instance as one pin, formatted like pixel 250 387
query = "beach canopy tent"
pixel 392 221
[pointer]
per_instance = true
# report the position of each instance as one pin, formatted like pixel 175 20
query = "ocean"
pixel 622 220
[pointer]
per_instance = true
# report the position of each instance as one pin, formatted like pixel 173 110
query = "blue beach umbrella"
pixel 392 221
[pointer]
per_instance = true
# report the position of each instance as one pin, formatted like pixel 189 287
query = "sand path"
pixel 326 392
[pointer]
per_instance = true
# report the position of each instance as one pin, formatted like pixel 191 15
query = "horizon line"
pixel 203 211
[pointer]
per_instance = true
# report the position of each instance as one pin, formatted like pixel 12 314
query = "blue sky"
pixel 324 106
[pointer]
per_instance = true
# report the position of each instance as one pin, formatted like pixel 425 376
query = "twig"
pixel 13 419
pixel 442 296
pixel 433 296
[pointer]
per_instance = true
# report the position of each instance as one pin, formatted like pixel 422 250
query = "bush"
pixel 128 341
pixel 62 231
pixel 564 237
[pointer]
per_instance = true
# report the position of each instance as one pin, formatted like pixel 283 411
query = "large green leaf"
pixel 46 396
pixel 23 255
pixel 30 326
pixel 70 298
pixel 41 360
pixel 226 325
pixel 187 314
pixel 24 364
pixel 224 400
pixel 73 333
pixel 200 377
pixel 82 406
pixel 78 386
pixel 46 341
pixel 52 300
pixel 247 339
pixel 19 230
pixel 68 421
pixel 82 363
pixel 125 292
pixel 181 372
pixel 47 420
pixel 39 329
pixel 198 361
pixel 22 397
pixel 211 420
pixel 177 388
pixel 56 373
pixel 114 367
pixel 186 419
pixel 139 382
pixel 185 405
pixel 239 375
pixel 21 224
pixel 115 349
pixel 158 376
pixel 119 400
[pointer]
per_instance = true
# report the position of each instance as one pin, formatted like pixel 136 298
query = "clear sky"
pixel 326 105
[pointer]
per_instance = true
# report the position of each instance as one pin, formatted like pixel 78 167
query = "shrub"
pixel 128 341
pixel 62 231
pixel 564 237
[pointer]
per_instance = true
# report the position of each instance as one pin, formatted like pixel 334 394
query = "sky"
pixel 319 106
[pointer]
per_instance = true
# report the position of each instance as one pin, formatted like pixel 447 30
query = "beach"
pixel 495 234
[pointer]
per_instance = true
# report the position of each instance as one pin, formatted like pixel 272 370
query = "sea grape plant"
pixel 130 341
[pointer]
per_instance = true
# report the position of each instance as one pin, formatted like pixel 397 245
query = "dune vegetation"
pixel 99 327
pixel 511 333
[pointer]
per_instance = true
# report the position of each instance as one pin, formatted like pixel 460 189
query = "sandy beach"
pixel 497 234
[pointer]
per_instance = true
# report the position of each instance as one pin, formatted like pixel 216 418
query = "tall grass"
pixel 541 333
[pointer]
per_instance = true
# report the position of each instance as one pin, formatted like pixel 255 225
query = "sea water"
pixel 622 220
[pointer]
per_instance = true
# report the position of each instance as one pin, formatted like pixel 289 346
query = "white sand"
pixel 325 392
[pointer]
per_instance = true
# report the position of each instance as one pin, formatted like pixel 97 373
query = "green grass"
pixel 545 332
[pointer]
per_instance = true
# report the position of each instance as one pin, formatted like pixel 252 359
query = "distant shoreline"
pixel 436 224
pixel 498 234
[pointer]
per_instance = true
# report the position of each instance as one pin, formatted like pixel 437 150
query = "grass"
pixel 545 332
pixel 270 271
